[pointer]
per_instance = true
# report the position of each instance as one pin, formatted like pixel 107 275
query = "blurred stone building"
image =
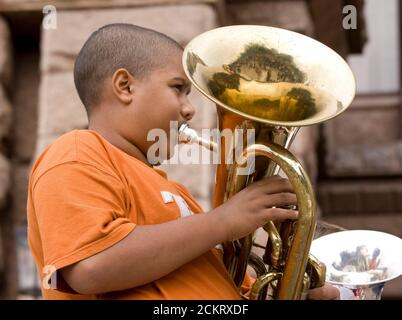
pixel 354 161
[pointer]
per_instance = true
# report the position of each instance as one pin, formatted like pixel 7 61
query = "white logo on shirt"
pixel 169 197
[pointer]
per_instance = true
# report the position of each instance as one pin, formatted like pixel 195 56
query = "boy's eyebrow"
pixel 186 82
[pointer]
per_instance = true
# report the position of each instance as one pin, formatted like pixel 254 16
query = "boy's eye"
pixel 182 88
pixel 178 88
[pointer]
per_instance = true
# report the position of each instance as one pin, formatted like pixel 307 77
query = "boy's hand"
pixel 252 207
pixel 327 292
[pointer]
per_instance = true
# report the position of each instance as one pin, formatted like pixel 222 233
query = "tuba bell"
pixel 359 262
pixel 270 82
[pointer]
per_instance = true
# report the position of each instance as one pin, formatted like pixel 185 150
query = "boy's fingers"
pixel 267 180
pixel 280 214
pixel 326 292
pixel 275 185
pixel 280 199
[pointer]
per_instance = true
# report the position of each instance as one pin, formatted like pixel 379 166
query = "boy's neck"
pixel 120 142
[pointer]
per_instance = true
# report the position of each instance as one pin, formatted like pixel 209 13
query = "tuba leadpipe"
pixel 270 82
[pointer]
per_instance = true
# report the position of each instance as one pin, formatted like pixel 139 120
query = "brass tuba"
pixel 270 82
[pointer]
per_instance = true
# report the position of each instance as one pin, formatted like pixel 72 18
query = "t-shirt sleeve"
pixel 81 210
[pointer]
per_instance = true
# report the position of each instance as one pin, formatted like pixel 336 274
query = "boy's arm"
pixel 147 253
pixel 150 252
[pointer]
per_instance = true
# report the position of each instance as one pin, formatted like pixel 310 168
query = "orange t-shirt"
pixel 85 195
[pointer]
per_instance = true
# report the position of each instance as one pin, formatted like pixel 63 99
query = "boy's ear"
pixel 122 85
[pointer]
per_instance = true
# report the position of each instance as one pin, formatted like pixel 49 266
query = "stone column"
pixel 5 120
pixel 7 226
pixel 5 106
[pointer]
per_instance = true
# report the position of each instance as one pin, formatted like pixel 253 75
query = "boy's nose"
pixel 188 111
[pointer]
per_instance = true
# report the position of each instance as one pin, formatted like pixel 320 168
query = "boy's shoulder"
pixel 78 146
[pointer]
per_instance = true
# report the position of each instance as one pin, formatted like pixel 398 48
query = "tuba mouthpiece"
pixel 189 135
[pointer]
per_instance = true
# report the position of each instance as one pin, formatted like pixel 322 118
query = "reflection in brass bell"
pixel 269 74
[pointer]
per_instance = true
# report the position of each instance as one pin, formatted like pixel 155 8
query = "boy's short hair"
pixel 114 46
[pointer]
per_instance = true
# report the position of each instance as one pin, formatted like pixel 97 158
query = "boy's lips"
pixel 181 124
